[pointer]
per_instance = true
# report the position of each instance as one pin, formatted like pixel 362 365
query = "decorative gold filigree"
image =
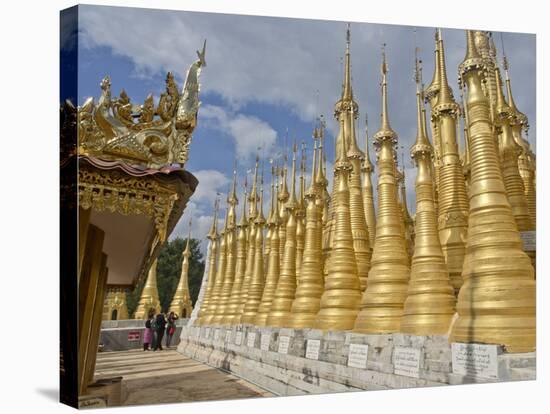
pixel 115 129
pixel 126 195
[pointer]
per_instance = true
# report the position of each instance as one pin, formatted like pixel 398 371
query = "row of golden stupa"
pixel 326 261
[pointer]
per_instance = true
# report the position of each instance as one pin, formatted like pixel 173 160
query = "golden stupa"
pixel 430 303
pixel 382 302
pixel 181 301
pixel 496 303
pixel 149 299
pixel 325 261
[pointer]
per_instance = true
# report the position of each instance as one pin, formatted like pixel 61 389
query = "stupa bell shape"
pixel 149 299
pixel 300 217
pixel 181 302
pixel 272 275
pixel 232 316
pixel 509 151
pixel 342 293
pixel 430 303
pixel 279 312
pixel 382 301
pixel 526 158
pixel 257 279
pixel 453 202
pixel 347 110
pixel 209 270
pixel 231 254
pixel 309 288
pixel 496 304
pixel 214 301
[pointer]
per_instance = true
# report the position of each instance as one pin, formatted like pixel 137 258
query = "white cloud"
pixel 249 133
pixel 211 183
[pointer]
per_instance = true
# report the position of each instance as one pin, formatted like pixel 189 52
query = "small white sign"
pixel 264 342
pixel 475 360
pixel 238 338
pixel 228 336
pixel 251 339
pixel 207 333
pixel 312 348
pixel 357 356
pixel 406 361
pixel 529 239
pixel 217 335
pixel 284 342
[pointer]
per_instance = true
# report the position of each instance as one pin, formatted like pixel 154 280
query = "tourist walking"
pixel 170 328
pixel 148 334
pixel 160 324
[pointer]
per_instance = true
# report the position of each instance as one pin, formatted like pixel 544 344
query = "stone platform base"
pixel 123 335
pixel 307 361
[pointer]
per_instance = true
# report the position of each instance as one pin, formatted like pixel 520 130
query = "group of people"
pixel 156 327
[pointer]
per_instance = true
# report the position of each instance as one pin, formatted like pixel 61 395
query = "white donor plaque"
pixel 228 336
pixel 406 361
pixel 238 338
pixel 312 348
pixel 284 342
pixel 529 239
pixel 475 360
pixel 357 356
pixel 207 333
pixel 264 342
pixel 217 335
pixel 251 339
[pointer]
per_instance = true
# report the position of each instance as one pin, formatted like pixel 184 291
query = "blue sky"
pixel 267 74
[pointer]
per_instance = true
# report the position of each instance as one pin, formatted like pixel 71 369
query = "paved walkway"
pixel 167 376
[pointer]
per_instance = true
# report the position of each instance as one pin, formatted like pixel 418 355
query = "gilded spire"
pixel 509 151
pixel 385 128
pixel 445 96
pixel 430 303
pixel 368 189
pixel 214 302
pixel 310 278
pixel 320 176
pixel 232 315
pixel 433 88
pixel 213 233
pixel 181 301
pixel 452 198
pixel 211 271
pixel 382 301
pixel 272 274
pixel 312 185
pixel 422 143
pixel 279 313
pixel 526 159
pixel 340 300
pixel 231 254
pixel 300 214
pixel 496 304
pixel 149 298
pixel 253 197
pixel 347 92
pixel 256 287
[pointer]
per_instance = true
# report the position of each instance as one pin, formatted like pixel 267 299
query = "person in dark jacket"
pixel 170 328
pixel 160 325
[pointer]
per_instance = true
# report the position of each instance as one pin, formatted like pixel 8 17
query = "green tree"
pixel 169 271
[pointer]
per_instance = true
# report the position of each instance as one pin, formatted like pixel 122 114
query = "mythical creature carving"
pixel 142 135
